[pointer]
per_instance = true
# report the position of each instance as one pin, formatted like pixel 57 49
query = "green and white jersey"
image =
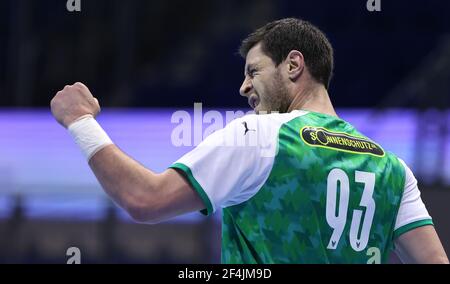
pixel 303 187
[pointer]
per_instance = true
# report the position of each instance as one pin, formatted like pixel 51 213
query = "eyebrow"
pixel 249 67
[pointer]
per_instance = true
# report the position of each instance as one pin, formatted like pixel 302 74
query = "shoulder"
pixel 265 121
pixel 410 180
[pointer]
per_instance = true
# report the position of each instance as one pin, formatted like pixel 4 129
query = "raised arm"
pixel 145 195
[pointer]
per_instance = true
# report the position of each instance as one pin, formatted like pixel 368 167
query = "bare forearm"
pixel 145 195
pixel 421 245
pixel 126 181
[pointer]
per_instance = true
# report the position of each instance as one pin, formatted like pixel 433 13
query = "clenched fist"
pixel 73 102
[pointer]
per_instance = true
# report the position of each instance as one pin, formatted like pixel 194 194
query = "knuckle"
pixel 53 102
pixel 77 88
pixel 79 85
pixel 54 99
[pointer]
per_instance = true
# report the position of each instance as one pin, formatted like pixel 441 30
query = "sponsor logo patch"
pixel 322 137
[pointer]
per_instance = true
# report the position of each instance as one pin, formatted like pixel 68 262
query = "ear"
pixel 295 64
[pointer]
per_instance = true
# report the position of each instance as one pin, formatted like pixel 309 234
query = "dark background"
pixel 143 53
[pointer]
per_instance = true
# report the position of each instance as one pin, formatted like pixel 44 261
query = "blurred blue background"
pixel 144 60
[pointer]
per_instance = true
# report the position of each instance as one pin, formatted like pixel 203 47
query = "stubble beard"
pixel 277 98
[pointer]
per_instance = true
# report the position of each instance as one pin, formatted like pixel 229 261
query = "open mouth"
pixel 253 101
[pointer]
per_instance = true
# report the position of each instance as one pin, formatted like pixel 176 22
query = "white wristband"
pixel 89 135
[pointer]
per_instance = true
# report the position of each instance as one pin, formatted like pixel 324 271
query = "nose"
pixel 246 87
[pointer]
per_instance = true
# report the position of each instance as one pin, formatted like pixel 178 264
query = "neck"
pixel 313 98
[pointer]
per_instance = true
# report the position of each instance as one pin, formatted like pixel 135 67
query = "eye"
pixel 252 72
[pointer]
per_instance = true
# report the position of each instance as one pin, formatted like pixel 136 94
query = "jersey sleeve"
pixel 412 212
pixel 231 164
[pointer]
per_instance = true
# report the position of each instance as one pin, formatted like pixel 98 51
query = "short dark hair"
pixel 278 38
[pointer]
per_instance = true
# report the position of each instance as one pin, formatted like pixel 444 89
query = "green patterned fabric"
pixel 285 222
